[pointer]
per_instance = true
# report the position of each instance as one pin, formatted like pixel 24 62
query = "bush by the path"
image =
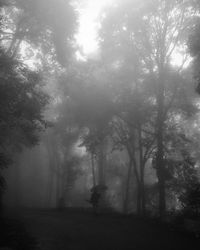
pixel 13 235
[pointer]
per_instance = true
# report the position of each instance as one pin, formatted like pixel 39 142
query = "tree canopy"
pixel 134 101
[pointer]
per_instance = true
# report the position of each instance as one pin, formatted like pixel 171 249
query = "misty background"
pixel 100 93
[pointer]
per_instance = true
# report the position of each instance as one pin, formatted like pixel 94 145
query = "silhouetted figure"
pixel 94 200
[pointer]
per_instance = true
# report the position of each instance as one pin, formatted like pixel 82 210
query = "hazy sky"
pixel 87 35
pixel 89 26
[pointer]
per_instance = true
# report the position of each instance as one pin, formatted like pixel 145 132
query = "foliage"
pixel 139 41
pixel 132 94
pixel 190 199
pixel 89 102
pixel 22 103
pixel 48 25
pixel 72 167
pixel 195 52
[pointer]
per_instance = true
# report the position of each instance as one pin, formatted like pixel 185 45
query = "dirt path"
pixel 82 231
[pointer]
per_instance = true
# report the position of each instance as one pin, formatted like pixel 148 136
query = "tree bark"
pixel 101 171
pixel 17 182
pixel 101 163
pixel 142 166
pixel 128 180
pixel 49 187
pixel 139 207
pixel 93 169
pixel 160 149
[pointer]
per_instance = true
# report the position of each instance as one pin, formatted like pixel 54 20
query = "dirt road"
pixel 76 230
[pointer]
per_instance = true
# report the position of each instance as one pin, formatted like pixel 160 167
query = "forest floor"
pixel 81 230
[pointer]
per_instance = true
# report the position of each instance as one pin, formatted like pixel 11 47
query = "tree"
pixel 190 199
pixel 133 131
pixel 22 103
pixel 194 48
pixel 39 31
pixel 45 27
pixel 92 109
pixel 145 38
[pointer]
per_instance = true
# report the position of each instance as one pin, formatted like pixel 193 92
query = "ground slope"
pixel 81 230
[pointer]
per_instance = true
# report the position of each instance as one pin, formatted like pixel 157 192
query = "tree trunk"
pixel 128 180
pixel 58 179
pixel 62 186
pixel 101 171
pixel 101 163
pixel 58 191
pixel 49 188
pixel 160 173
pixel 143 197
pixel 141 184
pixel 50 175
pixel 160 149
pixel 17 182
pixel 93 169
pixel 138 199
pixel 137 176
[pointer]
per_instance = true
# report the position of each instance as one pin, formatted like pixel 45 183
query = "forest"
pixel 100 121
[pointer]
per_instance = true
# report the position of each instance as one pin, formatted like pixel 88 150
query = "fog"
pixel 99 119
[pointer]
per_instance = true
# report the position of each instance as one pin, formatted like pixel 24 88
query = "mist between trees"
pixel 125 117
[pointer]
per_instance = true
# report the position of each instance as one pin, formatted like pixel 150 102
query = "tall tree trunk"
pixel 58 191
pixel 137 176
pixel 50 179
pixel 93 169
pixel 142 166
pixel 49 188
pixel 160 149
pixel 62 188
pixel 142 189
pixel 127 188
pixel 160 173
pixel 139 196
pixel 17 182
pixel 58 178
pixel 101 171
pixel 101 163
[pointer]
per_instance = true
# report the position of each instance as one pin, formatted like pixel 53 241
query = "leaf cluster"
pixel 22 103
